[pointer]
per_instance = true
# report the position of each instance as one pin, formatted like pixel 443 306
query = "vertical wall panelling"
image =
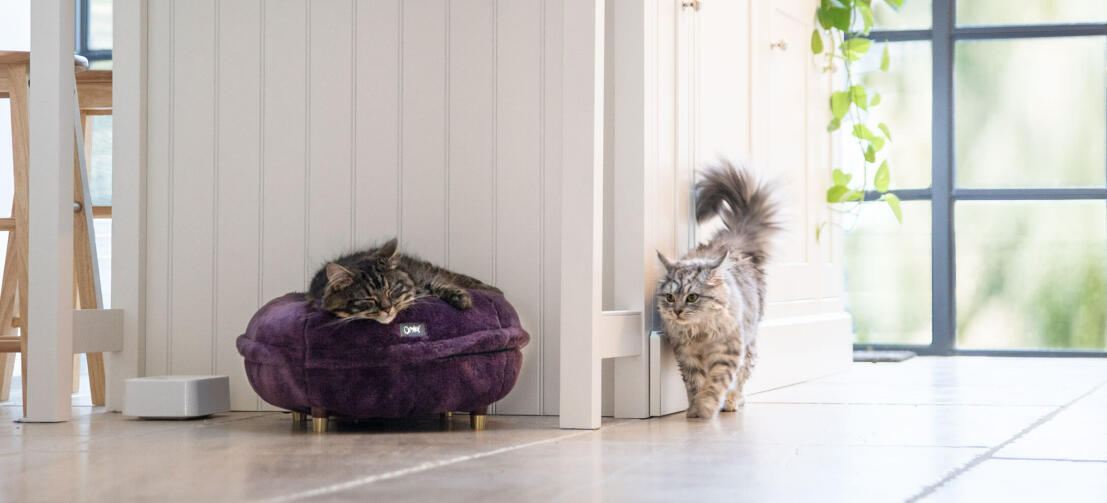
pixel 423 186
pixel 330 124
pixel 471 137
pixel 283 132
pixel 239 174
pixel 192 181
pixel 551 206
pixel 518 179
pixel 158 166
pixel 377 81
pixel 284 163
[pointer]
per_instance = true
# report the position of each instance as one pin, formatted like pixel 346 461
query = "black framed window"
pixel 93 32
pixel 999 117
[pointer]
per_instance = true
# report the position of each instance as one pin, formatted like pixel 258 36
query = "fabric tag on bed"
pixel 413 329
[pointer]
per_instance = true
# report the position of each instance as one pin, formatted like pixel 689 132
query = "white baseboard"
pixel 791 350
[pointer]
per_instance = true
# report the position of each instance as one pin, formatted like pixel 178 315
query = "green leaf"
pixel 895 4
pixel 877 143
pixel 882 177
pixel 853 195
pixel 833 125
pixel 858 97
pixel 839 104
pixel 854 48
pixel 841 177
pixel 839 18
pixel 862 132
pixel 875 101
pixel 835 193
pixel 870 154
pixel 823 15
pixel 884 129
pixel 884 61
pixel 866 15
pixel 819 231
pixel 893 203
pixel 816 42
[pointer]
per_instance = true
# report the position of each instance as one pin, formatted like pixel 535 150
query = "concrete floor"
pixel 936 429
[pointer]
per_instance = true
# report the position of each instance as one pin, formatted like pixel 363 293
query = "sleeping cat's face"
pixel 378 292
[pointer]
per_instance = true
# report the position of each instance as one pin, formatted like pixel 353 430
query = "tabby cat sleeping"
pixel 712 299
pixel 378 283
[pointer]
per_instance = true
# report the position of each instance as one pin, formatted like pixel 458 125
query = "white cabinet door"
pixel 748 90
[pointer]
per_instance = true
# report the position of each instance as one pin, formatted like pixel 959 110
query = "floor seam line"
pixel 422 467
pixel 930 489
pixel 1066 460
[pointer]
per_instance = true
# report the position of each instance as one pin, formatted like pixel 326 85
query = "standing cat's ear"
pixel 338 277
pixel 664 261
pixel 387 253
pixel 714 264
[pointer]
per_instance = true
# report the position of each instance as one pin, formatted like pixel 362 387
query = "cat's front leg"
pixel 694 377
pixel 453 295
pixel 735 398
pixel 721 373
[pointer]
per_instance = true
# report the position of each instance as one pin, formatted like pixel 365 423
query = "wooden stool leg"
pixel 84 266
pixel 318 420
pixel 21 153
pixel 477 418
pixel 76 373
pixel 7 372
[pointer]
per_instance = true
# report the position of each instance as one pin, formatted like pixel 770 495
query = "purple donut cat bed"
pixel 301 358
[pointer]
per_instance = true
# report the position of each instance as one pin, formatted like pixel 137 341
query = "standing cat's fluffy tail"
pixel 750 213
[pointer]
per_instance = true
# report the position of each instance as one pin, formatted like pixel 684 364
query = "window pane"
pixel 99 172
pixel 904 106
pixel 888 274
pixel 99 24
pixel 913 15
pixel 999 12
pixel 1032 274
pixel 1030 112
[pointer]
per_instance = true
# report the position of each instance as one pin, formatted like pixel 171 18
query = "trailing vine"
pixel 841 38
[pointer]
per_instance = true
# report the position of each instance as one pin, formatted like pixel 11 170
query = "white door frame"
pixel 50 213
pixel 128 267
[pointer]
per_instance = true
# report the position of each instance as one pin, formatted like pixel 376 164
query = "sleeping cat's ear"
pixel 664 261
pixel 387 253
pixel 338 277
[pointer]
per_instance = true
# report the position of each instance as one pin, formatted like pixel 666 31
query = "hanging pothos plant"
pixel 840 37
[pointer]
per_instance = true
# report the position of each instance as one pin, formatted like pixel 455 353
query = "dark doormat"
pixel 868 355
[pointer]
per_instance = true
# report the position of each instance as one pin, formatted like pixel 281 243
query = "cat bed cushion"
pixel 299 356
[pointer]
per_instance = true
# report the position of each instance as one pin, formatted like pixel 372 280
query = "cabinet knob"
pixel 779 44
pixel 694 4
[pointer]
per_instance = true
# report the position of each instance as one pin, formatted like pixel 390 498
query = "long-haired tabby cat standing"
pixel 380 282
pixel 711 299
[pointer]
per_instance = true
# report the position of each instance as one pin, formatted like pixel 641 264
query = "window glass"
pixel 904 106
pixel 1001 12
pixel 99 24
pixel 888 274
pixel 99 165
pixel 1031 274
pixel 1030 112
pixel 912 15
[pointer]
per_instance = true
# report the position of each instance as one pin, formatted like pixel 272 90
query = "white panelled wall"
pixel 283 132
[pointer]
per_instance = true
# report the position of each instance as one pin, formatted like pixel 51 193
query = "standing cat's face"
pixel 379 292
pixel 691 290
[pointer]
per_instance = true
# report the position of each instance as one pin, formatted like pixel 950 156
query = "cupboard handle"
pixel 779 44
pixel 694 4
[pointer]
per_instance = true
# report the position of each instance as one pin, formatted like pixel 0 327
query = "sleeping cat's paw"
pixel 459 299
